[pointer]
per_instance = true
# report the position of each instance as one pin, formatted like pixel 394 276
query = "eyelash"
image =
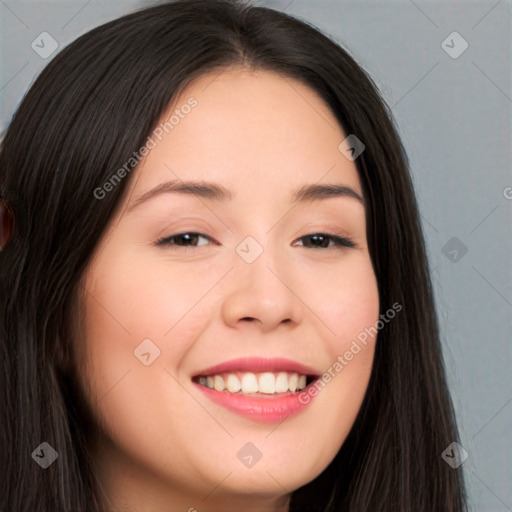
pixel 339 241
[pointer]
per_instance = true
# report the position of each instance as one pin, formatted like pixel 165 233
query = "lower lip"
pixel 265 410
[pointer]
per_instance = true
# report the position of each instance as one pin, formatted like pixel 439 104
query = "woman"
pixel 216 295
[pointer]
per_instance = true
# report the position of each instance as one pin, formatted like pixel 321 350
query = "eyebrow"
pixel 214 191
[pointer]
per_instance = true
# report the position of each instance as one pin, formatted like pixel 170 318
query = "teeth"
pixel 247 382
pixel 293 382
pixel 233 383
pixel 267 383
pixel 218 383
pixel 282 382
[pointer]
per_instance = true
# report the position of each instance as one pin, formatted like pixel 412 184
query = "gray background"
pixel 454 115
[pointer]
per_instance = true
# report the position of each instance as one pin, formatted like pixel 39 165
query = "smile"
pixel 265 390
pixel 248 383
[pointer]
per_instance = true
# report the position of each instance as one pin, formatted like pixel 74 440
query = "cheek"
pixel 345 298
pixel 129 304
pixel 134 299
pixel 133 308
pixel 348 305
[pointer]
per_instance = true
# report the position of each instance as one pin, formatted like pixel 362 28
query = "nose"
pixel 262 293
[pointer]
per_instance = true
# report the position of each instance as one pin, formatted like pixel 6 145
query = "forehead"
pixel 257 131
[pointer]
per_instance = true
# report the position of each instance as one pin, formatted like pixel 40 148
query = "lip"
pixel 259 364
pixel 270 409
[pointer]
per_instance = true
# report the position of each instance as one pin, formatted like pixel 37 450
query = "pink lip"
pixel 259 364
pixel 265 410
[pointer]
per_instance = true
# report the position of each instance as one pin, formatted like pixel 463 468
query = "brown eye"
pixel 187 239
pixel 322 241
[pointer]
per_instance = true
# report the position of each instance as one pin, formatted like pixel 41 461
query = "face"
pixel 273 286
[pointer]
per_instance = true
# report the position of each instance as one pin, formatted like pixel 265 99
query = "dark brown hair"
pixel 94 105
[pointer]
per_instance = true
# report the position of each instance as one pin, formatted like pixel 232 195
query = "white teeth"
pixel 293 382
pixel 281 382
pixel 247 382
pixel 233 383
pixel 267 383
pixel 218 383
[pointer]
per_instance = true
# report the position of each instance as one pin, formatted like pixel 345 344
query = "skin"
pixel 162 445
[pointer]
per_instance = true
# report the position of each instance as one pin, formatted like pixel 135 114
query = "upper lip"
pixel 259 364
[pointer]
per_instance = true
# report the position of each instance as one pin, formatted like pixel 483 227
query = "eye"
pixel 314 240
pixel 323 240
pixel 188 239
